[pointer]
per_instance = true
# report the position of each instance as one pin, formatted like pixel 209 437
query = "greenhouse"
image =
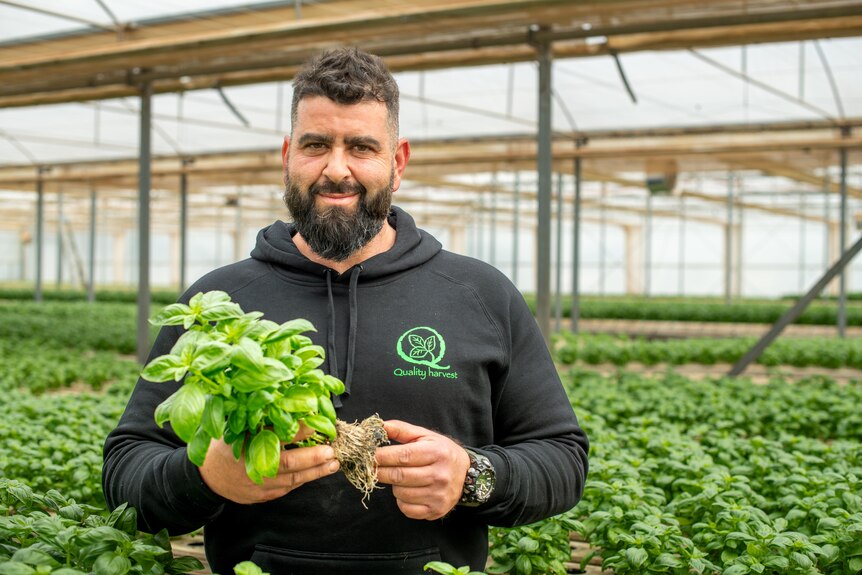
pixel 672 187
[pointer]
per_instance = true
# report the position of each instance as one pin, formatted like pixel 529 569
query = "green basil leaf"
pixel 34 557
pixel 276 371
pixel 320 423
pixel 163 411
pixel 111 564
pixel 309 364
pixel 288 329
pixel 291 361
pixel 300 341
pixel 284 424
pixel 236 420
pixel 164 368
pixel 325 407
pixel 174 314
pixel 247 355
pixel 216 306
pixel 310 351
pixel 248 568
pixel 237 446
pixel 247 382
pixel 636 556
pixel 333 384
pixel 298 400
pixel 184 565
pixel 259 399
pixel 15 568
pixel 265 453
pixel 311 377
pixel 213 419
pixel 190 340
pixel 198 447
pixel 253 418
pixel 187 407
pixel 211 356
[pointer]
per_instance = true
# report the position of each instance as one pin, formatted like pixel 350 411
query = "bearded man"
pixel 482 432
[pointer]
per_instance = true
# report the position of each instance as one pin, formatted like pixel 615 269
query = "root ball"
pixel 355 445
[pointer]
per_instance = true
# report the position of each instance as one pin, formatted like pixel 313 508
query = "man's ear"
pixel 284 148
pixel 402 156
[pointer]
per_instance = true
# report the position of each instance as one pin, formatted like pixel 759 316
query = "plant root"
pixel 355 444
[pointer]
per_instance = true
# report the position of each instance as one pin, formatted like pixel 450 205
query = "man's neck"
pixel 383 241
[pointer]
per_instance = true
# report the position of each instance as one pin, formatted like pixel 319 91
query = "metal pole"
pixel 184 218
pixel 144 223
pixel 516 228
pixel 543 231
pixel 842 238
pixel 794 312
pixel 603 240
pixel 728 240
pixel 648 244
pixel 801 241
pixel 40 231
pixel 492 222
pixel 558 279
pixel 739 252
pixel 576 249
pixel 59 278
pixel 681 253
pixel 91 280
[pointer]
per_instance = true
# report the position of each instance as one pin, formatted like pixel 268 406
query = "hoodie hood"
pixel 413 247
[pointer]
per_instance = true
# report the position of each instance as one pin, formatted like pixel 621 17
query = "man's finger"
pixel 301 458
pixel 410 455
pixel 404 432
pixel 404 476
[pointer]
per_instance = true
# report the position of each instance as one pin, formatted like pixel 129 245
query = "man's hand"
pixel 426 471
pixel 227 477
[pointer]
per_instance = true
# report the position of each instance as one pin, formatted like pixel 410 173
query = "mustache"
pixel 341 188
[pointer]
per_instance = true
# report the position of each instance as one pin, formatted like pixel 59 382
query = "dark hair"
pixel 348 76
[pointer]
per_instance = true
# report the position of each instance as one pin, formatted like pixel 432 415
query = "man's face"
pixel 340 170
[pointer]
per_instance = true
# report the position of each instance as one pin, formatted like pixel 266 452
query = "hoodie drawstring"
pixel 351 338
pixel 330 339
pixel 352 331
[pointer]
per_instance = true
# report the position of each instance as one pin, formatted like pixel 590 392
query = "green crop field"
pixel 717 476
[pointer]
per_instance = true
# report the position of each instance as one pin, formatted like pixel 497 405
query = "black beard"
pixel 335 233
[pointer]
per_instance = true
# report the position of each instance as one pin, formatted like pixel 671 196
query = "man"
pixel 441 346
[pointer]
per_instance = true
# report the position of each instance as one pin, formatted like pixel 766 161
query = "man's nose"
pixel 337 168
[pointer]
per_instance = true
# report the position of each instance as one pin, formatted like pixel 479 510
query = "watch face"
pixel 484 485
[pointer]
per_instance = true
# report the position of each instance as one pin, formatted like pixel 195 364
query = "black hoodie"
pixel 419 334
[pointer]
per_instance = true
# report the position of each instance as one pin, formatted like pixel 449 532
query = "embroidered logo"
pixel 423 346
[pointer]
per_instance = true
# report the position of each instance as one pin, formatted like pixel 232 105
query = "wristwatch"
pixel 480 480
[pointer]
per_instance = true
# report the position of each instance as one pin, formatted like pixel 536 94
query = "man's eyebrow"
pixel 363 141
pixel 316 138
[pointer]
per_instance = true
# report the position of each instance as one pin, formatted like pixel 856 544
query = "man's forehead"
pixel 322 115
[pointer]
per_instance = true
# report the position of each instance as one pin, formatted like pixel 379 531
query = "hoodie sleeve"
pixel 148 468
pixel 539 452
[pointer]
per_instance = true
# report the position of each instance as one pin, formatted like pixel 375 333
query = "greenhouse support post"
pixel 543 230
pixel 40 231
pixel 59 274
pixel 91 255
pixel 184 217
pixel 143 340
pixel 842 279
pixel 516 225
pixel 576 247
pixel 558 264
pixel 794 312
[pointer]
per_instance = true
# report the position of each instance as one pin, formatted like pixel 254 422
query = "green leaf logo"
pixel 423 346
